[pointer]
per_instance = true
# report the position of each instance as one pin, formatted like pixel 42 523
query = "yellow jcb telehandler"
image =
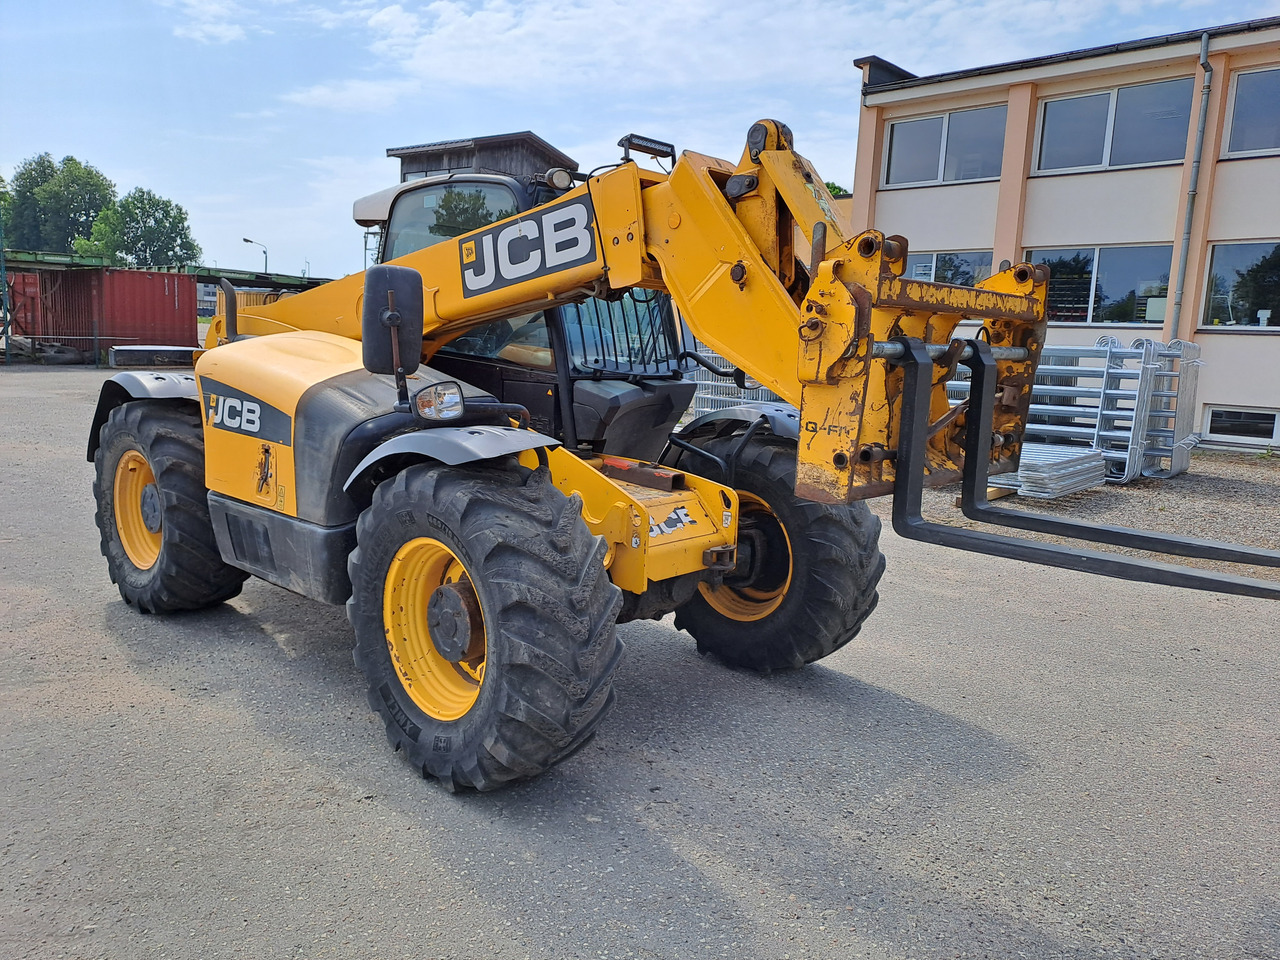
pixel 474 445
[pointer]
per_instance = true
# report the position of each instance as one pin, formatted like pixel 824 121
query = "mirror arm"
pixel 391 320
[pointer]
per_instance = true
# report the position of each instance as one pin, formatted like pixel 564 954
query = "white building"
pixel 1086 161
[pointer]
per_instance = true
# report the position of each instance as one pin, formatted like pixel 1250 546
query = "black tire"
pixel 548 610
pixel 767 622
pixel 188 572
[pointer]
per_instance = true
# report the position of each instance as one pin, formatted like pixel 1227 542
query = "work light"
pixel 440 401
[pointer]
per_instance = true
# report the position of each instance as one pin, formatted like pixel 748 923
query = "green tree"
pixel 461 211
pixel 142 230
pixel 1258 288
pixel 835 188
pixel 6 201
pixel 69 202
pixel 953 268
pixel 24 228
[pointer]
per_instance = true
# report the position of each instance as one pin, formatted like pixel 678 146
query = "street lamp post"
pixel 264 252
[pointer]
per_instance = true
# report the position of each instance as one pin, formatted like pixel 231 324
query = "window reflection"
pixel 1244 285
pixel 1070 283
pixel 1107 284
pixel 964 145
pixel 428 215
pixel 914 147
pixel 1132 285
pixel 1255 119
pixel 523 340
pixel 975 144
pixel 964 269
pixel 1075 131
pixel 1145 123
pixel 1151 122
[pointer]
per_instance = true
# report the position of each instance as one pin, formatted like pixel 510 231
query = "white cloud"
pixel 353 96
pixel 208 21
pixel 578 45
pixel 583 72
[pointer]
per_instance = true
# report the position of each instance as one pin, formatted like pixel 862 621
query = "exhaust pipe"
pixel 229 298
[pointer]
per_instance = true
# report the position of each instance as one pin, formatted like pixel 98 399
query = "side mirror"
pixel 391 324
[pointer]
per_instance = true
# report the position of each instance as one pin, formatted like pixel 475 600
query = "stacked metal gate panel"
pixel 1135 404
pixel 716 393
pixel 1085 398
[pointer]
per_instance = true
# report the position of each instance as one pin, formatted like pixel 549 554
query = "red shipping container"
pixel 103 307
pixel 24 301
pixel 141 307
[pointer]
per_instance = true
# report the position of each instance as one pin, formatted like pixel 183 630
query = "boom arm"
pixel 863 351
pixel 723 241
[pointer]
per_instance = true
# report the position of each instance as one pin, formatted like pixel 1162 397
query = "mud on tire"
pixel 548 611
pixel 788 615
pixel 175 566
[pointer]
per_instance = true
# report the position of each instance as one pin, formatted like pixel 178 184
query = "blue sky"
pixel 267 118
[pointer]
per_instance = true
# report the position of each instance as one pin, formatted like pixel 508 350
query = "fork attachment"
pixel 917 368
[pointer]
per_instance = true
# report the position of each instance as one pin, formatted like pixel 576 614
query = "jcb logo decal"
pixel 678 519
pixel 226 408
pixel 553 239
pixel 232 413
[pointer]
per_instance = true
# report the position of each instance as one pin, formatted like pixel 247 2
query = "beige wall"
pixel 1087 334
pixel 960 216
pixel 1101 209
pixel 1246 200
pixel 1238 370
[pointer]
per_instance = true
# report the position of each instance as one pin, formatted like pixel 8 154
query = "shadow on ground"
pixel 712 806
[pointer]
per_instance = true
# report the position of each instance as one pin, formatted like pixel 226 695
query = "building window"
pixel 965 145
pixel 1241 425
pixel 1107 284
pixel 1128 126
pixel 1244 285
pixel 960 268
pixel 1255 114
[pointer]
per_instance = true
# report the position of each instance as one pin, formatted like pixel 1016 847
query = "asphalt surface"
pixel 1010 761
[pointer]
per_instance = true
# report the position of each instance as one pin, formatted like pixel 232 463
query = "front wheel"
pixel 153 513
pixel 807 572
pixel 484 621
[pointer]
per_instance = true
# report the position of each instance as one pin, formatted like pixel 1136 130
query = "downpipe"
pixel 1195 181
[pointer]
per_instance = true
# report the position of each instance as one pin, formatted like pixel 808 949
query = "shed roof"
pixel 444 146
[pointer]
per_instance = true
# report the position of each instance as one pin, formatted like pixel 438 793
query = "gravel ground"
pixel 1009 761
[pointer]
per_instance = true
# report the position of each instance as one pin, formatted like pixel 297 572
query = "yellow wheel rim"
pixel 137 510
pixel 748 603
pixel 441 688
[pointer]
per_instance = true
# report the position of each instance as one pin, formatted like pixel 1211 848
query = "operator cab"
pixel 602 376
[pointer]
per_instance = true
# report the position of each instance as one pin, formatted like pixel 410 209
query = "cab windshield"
pixel 430 214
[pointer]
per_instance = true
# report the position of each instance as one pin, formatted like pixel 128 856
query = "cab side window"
pixel 522 340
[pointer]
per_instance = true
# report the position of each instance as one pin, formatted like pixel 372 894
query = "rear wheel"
pixel 807 572
pixel 153 513
pixel 484 621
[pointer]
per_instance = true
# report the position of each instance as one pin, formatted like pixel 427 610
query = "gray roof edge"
pixel 442 145
pixel 1170 39
pixel 880 71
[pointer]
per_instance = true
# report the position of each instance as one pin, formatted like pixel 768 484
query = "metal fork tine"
pixel 908 485
pixel 974 504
